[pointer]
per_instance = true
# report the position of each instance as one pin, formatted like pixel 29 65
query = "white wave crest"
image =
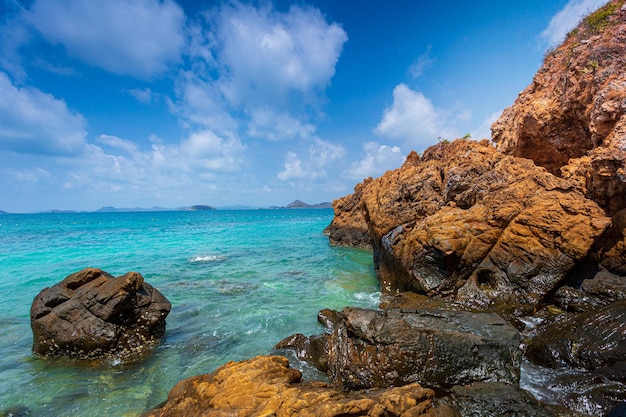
pixel 208 258
pixel 373 298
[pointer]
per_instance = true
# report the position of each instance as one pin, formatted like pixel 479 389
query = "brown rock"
pixel 576 104
pixel 349 227
pixel 469 223
pixel 91 314
pixel 267 386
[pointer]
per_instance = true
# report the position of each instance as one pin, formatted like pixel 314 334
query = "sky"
pixel 142 103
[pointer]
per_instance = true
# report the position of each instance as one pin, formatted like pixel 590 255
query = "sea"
pixel 239 282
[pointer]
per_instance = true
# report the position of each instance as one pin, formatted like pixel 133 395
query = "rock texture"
pixel 468 223
pixel 267 386
pixel 591 340
pixel 434 347
pixel 572 117
pixel 494 399
pixel 91 314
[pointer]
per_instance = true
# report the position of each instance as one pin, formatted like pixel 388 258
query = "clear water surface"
pixel 239 281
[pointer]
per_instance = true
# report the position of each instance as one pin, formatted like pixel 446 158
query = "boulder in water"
pixel 91 314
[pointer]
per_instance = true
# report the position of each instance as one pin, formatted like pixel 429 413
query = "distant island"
pixel 296 204
pixel 199 208
pixel 302 204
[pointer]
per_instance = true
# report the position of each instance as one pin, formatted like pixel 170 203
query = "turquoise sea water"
pixel 239 281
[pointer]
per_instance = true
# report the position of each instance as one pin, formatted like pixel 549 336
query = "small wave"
pixel 373 298
pixel 208 258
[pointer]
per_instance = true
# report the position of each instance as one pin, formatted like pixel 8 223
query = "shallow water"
pixel 239 281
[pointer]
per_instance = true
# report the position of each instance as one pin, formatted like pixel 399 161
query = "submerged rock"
pixel 433 347
pixel 267 386
pixel 91 314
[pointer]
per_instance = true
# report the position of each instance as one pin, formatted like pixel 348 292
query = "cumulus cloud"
pixel 119 165
pixel 265 54
pixel 413 119
pixel 256 64
pixel 321 157
pixel 272 125
pixel 378 159
pixel 567 18
pixel 128 37
pixel 35 122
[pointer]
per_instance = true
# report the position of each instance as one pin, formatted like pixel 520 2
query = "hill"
pixel 302 204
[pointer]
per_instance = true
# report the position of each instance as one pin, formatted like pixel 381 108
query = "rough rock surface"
pixel 91 314
pixel 574 111
pixel 494 399
pixel 434 347
pixel 267 386
pixel 468 223
pixel 591 340
pixel 349 227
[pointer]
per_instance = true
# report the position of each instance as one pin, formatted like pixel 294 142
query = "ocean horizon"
pixel 239 281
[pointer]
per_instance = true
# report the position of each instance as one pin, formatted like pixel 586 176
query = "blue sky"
pixel 141 103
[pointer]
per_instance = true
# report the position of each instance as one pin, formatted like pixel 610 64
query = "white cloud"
pixel 25 176
pixel 120 166
pixel 265 54
pixel 34 122
pixel 484 130
pixel 293 168
pixel 268 124
pixel 200 103
pixel 378 159
pixel 413 119
pixel 322 156
pixel 144 95
pixel 258 68
pixel 118 143
pixel 567 18
pixel 421 63
pixel 128 37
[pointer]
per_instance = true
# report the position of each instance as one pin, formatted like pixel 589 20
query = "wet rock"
pixel 267 386
pixel 591 340
pixel 434 347
pixel 575 392
pixel 494 399
pixel 91 314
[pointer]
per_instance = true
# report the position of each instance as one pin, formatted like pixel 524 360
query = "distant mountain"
pixel 199 208
pixel 302 204
pixel 4 212
pixel 109 209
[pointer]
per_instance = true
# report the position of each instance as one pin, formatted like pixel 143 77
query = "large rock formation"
pixel 572 117
pixel 467 222
pixel 434 347
pixel 91 314
pixel 267 386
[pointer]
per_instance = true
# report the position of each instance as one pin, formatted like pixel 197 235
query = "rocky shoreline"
pixel 502 264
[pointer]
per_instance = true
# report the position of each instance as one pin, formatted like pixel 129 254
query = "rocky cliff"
pixel 572 118
pixel 531 226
